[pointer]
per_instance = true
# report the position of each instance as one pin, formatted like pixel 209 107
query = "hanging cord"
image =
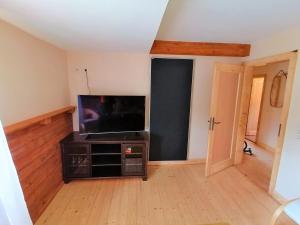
pixel 87 81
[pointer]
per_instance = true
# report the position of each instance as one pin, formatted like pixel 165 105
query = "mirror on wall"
pixel 278 89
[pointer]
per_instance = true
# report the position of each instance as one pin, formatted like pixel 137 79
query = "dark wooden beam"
pixel 200 48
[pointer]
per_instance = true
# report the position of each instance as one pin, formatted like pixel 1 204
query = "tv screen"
pixel 107 114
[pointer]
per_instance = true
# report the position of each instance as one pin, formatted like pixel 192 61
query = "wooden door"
pixel 222 122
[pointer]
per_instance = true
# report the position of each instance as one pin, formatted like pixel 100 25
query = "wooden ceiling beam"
pixel 200 48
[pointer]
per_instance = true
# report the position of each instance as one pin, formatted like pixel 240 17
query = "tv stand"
pixel 116 136
pixel 104 156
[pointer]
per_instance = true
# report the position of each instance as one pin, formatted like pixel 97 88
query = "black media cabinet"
pixel 104 156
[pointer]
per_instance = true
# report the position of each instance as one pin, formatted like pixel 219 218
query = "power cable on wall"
pixel 87 81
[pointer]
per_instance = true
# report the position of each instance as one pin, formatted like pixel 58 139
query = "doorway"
pixel 273 118
pixel 263 125
pixel 171 82
pixel 279 94
pixel 255 104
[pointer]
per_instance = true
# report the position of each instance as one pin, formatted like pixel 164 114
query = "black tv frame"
pixel 115 133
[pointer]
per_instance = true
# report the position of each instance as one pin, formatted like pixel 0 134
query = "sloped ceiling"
pixel 132 25
pixel 241 21
pixel 89 25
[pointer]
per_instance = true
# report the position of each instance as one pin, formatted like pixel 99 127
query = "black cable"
pixel 87 81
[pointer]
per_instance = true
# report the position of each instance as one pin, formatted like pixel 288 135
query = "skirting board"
pixel 220 166
pixel 278 197
pixel 265 147
pixel 177 162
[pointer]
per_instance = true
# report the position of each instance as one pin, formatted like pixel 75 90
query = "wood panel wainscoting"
pixel 34 144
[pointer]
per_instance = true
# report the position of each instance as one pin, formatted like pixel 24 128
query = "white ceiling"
pixel 89 25
pixel 132 25
pixel 242 21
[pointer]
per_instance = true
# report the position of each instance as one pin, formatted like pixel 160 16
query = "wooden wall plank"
pixel 200 48
pixel 36 153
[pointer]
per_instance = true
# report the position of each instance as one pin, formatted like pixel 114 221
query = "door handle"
pixel 279 130
pixel 214 123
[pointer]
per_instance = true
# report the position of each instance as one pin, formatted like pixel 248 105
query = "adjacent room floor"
pixel 175 195
pixel 251 138
pixel 258 167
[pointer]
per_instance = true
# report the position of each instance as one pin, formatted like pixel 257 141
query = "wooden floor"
pixel 258 167
pixel 173 195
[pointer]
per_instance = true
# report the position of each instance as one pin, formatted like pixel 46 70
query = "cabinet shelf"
pixel 138 164
pixel 75 166
pixel 105 148
pixel 75 154
pixel 106 153
pixel 106 165
pixel 106 159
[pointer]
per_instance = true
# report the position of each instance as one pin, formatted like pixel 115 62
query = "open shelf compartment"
pixel 106 171
pixel 99 160
pixel 99 149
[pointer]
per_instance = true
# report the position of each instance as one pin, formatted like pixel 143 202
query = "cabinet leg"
pixel 66 181
pixel 145 179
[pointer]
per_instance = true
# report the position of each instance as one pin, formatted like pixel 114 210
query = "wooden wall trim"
pixel 42 119
pixel 200 48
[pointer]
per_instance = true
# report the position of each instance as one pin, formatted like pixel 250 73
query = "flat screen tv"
pixel 111 114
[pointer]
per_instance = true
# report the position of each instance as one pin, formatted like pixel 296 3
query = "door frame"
pixel 159 56
pixel 244 105
pixel 261 75
pixel 209 168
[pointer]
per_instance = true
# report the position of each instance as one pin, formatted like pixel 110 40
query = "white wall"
pixel 129 74
pixel 285 41
pixel 3 217
pixel 109 74
pixel 288 182
pixel 13 209
pixel 33 75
